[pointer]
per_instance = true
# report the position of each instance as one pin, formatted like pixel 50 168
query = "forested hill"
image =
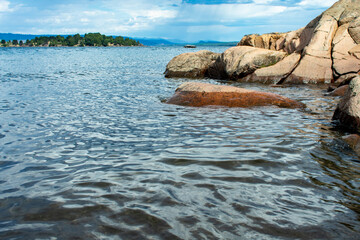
pixel 89 39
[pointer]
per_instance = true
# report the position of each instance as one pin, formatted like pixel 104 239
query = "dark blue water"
pixel 88 150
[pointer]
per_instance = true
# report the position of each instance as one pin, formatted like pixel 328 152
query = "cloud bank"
pixel 189 20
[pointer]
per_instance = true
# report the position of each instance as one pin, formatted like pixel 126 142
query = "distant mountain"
pixel 155 42
pixel 14 36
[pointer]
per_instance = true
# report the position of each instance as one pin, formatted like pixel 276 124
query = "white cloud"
pixel 228 12
pixel 159 18
pixel 262 1
pixel 158 14
pixel 108 17
pixel 316 3
pixel 4 6
pixel 156 9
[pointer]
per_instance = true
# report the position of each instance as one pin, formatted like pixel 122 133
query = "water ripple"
pixel 89 151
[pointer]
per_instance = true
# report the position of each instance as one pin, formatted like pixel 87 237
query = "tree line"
pixel 89 39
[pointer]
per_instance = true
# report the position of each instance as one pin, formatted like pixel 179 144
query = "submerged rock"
pixel 204 94
pixel 353 140
pixel 347 113
pixel 340 91
pixel 191 65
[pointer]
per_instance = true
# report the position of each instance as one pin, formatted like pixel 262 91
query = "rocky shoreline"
pixel 326 51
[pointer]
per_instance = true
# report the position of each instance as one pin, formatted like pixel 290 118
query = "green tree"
pixel 93 39
pixel 90 39
pixel 15 42
pixel 119 41
pixel 77 38
pixel 70 41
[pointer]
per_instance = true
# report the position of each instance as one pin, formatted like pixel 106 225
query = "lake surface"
pixel 88 150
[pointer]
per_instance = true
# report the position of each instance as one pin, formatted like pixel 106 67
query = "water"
pixel 88 150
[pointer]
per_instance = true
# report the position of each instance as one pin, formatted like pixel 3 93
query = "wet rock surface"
pixel 196 94
pixel 347 113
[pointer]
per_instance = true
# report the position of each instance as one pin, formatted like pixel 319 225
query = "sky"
pixel 187 20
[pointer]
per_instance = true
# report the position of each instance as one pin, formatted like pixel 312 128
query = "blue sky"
pixel 189 20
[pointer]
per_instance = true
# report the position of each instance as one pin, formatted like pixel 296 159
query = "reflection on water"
pixel 89 151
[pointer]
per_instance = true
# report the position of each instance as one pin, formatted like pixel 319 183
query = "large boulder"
pixel 197 94
pixel 237 62
pixel 347 113
pixel 274 74
pixel 191 65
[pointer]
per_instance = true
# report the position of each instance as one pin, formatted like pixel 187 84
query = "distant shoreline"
pixel 88 40
pixel 70 46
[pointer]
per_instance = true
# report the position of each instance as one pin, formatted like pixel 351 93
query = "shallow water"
pixel 89 151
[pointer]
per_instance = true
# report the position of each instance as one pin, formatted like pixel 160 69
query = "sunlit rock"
pixel 237 62
pixel 267 41
pixel 276 73
pixel 345 52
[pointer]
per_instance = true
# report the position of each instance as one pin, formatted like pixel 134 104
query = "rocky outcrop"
pixel 191 65
pixel 267 41
pixel 327 49
pixel 315 65
pixel 237 62
pixel 347 113
pixel 204 94
pixel 328 46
